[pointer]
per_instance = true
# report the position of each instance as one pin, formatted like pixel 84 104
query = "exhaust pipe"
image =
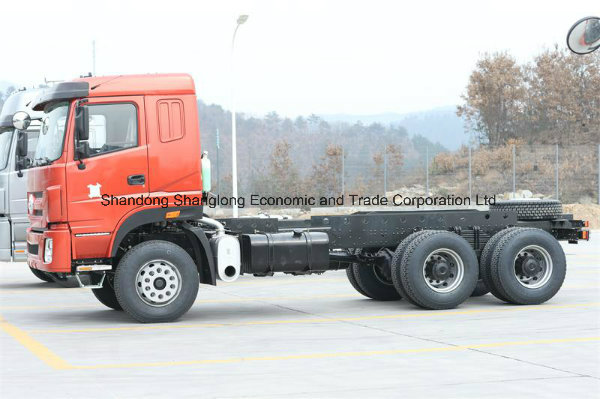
pixel 226 251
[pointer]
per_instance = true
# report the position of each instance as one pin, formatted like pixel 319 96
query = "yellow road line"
pixel 291 280
pixel 51 290
pixel 267 281
pixel 200 301
pixel 34 346
pixel 593 256
pixel 329 355
pixel 57 363
pixel 412 315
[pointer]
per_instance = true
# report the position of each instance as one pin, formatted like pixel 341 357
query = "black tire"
pixel 397 261
pixel 480 289
pixel 352 278
pixel 503 266
pixel 106 295
pixel 485 262
pixel 373 284
pixel 530 209
pixel 146 255
pixel 412 270
pixel 41 275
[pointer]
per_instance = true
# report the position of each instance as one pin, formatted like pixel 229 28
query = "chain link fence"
pixel 567 173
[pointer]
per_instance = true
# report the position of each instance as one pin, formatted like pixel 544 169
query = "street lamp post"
pixel 241 19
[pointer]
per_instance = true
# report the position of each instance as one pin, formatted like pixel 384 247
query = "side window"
pixel 32 139
pixel 170 120
pixel 113 127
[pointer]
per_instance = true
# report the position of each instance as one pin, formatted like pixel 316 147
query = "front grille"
pixel 32 248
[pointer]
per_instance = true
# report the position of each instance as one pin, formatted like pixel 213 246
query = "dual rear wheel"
pixel 440 270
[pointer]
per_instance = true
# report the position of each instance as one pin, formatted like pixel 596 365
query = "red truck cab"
pixel 143 143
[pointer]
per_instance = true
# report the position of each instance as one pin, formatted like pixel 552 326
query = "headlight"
pixel 48 250
pixel 30 202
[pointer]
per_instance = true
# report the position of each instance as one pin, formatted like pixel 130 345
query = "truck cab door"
pixel 17 195
pixel 116 167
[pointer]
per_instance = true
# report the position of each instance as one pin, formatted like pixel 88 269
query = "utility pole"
pixel 93 57
pixel 241 19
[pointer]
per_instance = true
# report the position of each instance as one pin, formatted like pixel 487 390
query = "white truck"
pixel 13 178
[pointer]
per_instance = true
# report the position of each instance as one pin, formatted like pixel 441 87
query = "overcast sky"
pixel 294 57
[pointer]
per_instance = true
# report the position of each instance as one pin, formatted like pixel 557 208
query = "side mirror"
pixel 82 150
pixel 21 120
pixel 82 123
pixel 22 145
pixel 584 35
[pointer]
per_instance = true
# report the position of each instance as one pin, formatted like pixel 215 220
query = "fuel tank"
pixel 297 252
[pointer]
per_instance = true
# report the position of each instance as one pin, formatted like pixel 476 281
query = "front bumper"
pixel 61 254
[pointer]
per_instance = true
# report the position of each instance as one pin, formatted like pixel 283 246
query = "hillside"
pixel 437 125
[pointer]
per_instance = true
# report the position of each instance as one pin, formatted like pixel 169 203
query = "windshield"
pixel 52 134
pixel 5 140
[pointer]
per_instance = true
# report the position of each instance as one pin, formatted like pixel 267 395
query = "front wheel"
pixel 156 281
pixel 106 295
pixel 41 275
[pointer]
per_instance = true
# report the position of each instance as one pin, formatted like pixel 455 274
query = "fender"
pixel 204 255
pixel 152 215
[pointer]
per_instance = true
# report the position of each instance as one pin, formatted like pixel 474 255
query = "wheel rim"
pixel 443 270
pixel 158 283
pixel 533 266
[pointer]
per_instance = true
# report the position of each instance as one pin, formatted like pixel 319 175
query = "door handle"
pixel 136 180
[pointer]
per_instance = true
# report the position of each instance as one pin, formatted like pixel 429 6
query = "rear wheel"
pixel 375 280
pixel 528 266
pixel 352 278
pixel 41 275
pixel 156 281
pixel 485 262
pixel 106 295
pixel 480 289
pixel 396 262
pixel 438 270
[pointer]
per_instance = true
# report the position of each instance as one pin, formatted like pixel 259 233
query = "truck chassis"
pixel 433 259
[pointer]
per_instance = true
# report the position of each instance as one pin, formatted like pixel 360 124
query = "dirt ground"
pixel 590 212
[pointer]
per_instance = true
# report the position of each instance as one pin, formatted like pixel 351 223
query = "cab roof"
pixel 149 84
pixel 118 85
pixel 19 101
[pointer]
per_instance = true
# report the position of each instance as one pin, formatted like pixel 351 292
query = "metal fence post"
pixel 514 171
pixel 470 182
pixel 343 171
pixel 385 161
pixel 556 173
pixel 427 171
